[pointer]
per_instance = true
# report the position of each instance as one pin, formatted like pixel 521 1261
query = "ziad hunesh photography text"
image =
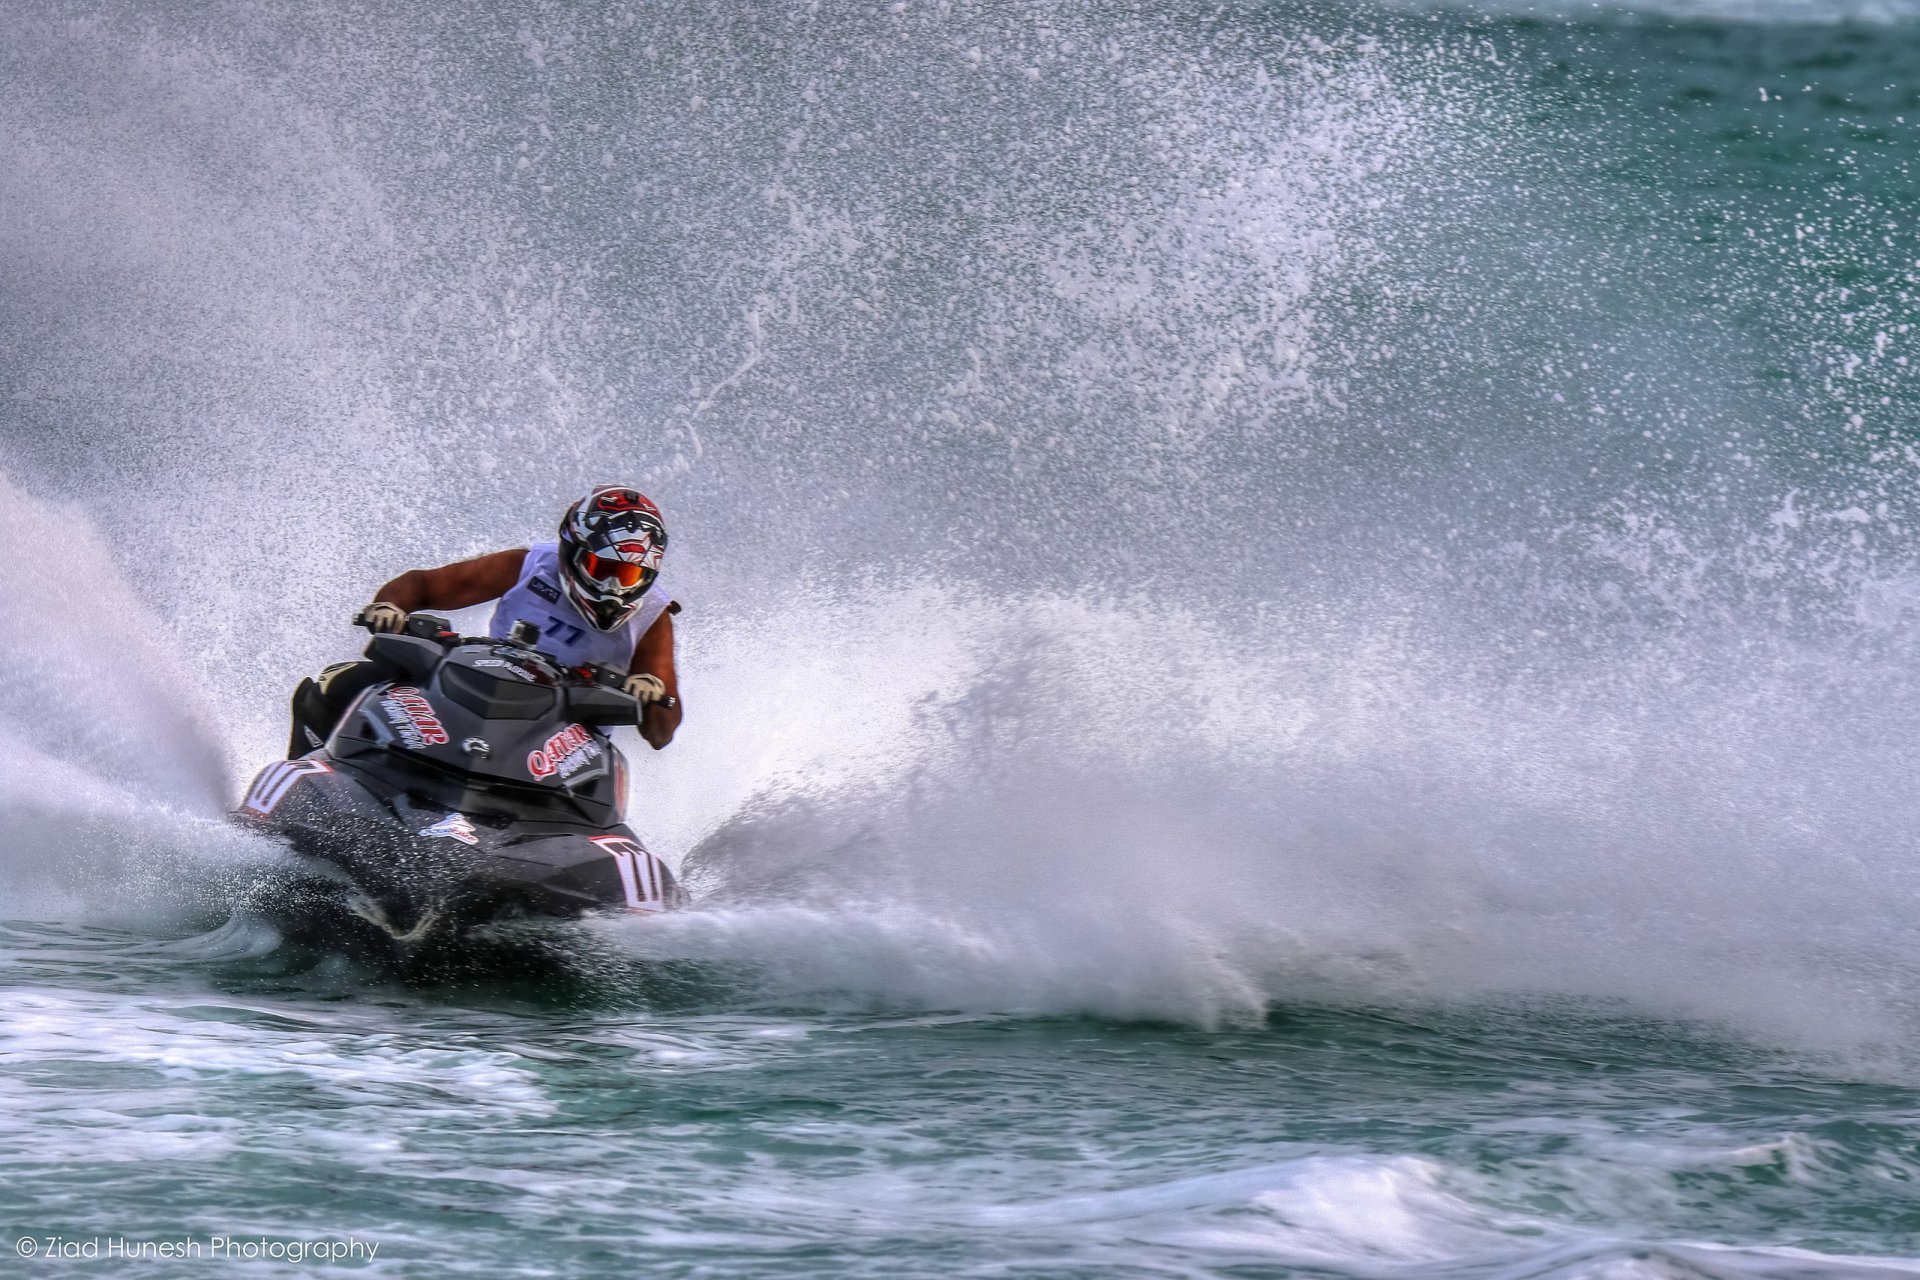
pixel 206 1248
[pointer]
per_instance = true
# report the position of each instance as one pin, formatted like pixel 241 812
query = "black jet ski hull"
pixel 385 874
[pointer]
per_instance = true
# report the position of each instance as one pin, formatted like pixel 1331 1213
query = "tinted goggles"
pixel 606 569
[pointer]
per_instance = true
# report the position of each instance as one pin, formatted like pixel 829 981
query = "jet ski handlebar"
pixel 405 649
pixel 423 626
pixel 431 626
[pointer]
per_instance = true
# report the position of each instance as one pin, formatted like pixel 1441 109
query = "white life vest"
pixel 566 634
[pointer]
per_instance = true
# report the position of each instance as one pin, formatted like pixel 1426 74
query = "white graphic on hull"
pixel 643 876
pixel 271 787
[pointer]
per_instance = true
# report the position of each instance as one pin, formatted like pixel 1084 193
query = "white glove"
pixel 645 689
pixel 381 616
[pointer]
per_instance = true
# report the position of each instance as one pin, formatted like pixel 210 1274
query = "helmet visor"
pixel 612 572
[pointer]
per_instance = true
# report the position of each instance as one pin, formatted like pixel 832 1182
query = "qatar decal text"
pixel 565 753
pixel 412 717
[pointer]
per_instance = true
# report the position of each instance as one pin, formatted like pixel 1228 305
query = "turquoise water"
pixel 468 1134
pixel 1300 635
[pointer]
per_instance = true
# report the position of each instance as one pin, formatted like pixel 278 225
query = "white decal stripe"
pixel 624 860
pixel 620 849
pixel 277 779
pixel 642 876
pixel 256 795
pixel 266 790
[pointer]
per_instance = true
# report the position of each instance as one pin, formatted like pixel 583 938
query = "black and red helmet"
pixel 611 545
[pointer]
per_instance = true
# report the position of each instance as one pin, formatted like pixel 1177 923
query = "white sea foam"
pixel 1081 806
pixel 357 1065
pixel 1351 1213
pixel 112 771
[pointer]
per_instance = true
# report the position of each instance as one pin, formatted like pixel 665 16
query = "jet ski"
pixel 473 783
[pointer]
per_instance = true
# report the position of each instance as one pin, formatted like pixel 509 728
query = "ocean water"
pixel 1300 636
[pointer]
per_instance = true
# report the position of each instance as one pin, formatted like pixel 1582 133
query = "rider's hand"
pixel 644 688
pixel 381 616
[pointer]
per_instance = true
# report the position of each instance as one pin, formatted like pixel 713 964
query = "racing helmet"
pixel 611 545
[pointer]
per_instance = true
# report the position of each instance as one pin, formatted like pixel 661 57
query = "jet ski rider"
pixel 593 595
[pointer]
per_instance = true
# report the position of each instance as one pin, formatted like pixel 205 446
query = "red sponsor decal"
pixel 544 762
pixel 409 703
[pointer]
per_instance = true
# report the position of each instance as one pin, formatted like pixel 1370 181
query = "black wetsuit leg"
pixel 319 702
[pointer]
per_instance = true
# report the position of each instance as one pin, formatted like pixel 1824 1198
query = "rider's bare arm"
pixel 654 656
pixel 456 586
